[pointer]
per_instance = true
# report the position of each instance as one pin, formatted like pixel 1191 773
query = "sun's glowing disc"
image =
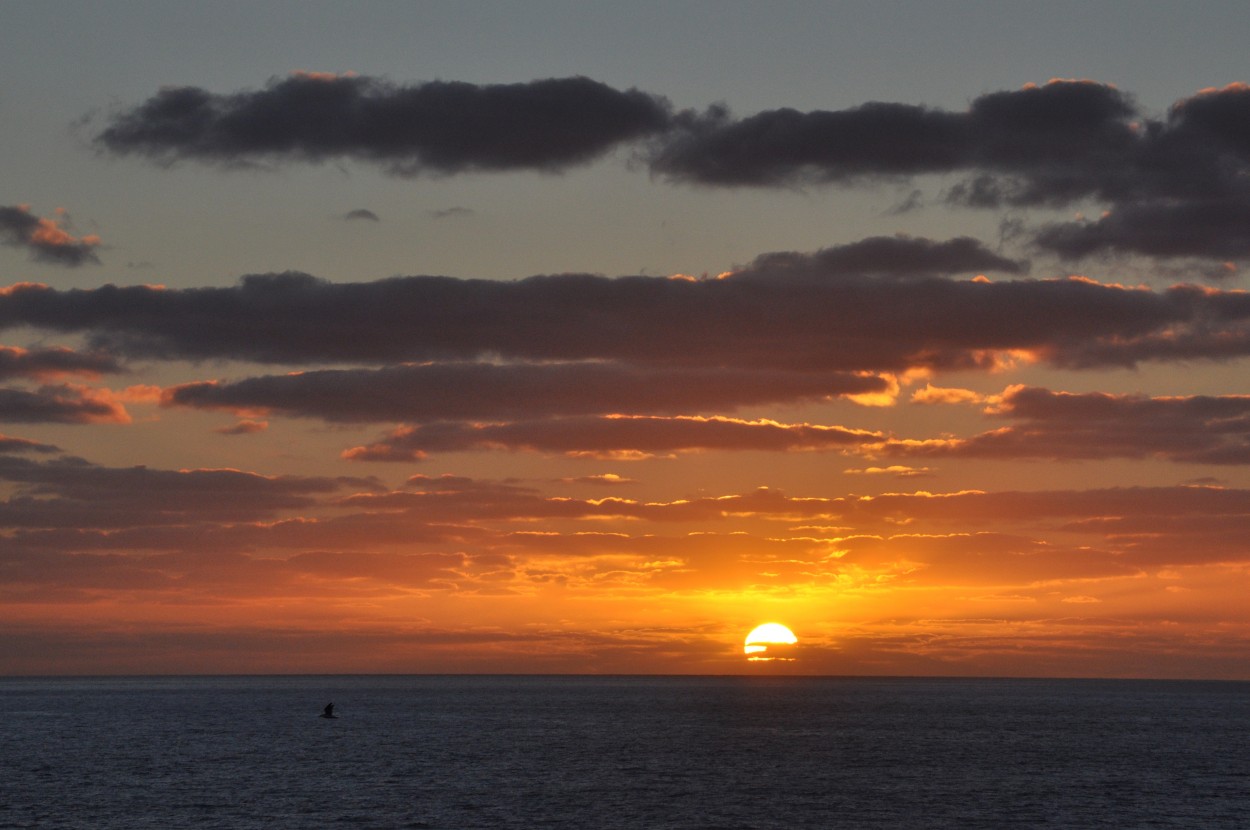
pixel 770 641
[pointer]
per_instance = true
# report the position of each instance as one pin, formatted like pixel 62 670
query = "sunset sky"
pixel 563 337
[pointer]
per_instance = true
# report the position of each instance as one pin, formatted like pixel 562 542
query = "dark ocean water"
pixel 628 752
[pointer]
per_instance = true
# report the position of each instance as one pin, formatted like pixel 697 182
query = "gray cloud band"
pixel 795 312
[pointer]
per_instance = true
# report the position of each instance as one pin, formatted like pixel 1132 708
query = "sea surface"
pixel 622 752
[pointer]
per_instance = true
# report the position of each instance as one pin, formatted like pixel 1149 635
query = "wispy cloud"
pixel 452 213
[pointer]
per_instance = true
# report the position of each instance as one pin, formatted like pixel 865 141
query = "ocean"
pixel 623 752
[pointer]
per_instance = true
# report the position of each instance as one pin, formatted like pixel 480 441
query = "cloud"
pixel 896 470
pixel 898 256
pixel 73 531
pixel 436 127
pixel 245 427
pixel 1058 138
pixel 979 509
pixel 1216 228
pixel 783 312
pixel 447 391
pixel 1176 186
pixel 71 493
pixel 44 239
pixel 43 364
pixel 613 437
pixel 945 395
pixel 602 479
pixel 10 444
pixel 61 404
pixel 784 146
pixel 452 213
pixel 361 214
pixel 1197 429
pixel 220 577
pixel 983 559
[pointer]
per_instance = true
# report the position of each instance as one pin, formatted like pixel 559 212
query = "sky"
pixel 584 338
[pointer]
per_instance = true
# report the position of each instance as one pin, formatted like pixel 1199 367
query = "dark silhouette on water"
pixel 329 711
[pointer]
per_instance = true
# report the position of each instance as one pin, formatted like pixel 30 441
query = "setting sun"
pixel 770 641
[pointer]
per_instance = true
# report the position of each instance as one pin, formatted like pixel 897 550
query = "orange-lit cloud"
pixel 482 390
pixel 64 403
pixel 1061 425
pixel 44 364
pixel 45 239
pixel 613 437
pixel 245 427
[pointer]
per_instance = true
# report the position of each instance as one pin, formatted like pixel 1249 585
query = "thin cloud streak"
pixel 451 391
pixel 613 437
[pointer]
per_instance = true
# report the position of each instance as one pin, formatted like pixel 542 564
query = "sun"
pixel 770 641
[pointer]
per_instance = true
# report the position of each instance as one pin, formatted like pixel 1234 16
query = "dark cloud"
pixel 1061 425
pixel 898 256
pixel 443 391
pixel 51 363
pixel 785 146
pixel 794 312
pixel 361 214
pixel 62 404
pixel 435 127
pixel 224 575
pixel 10 444
pixel 1177 186
pixel 1210 228
pixel 1052 138
pixel 1173 186
pixel 71 493
pixel 44 239
pixel 613 437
